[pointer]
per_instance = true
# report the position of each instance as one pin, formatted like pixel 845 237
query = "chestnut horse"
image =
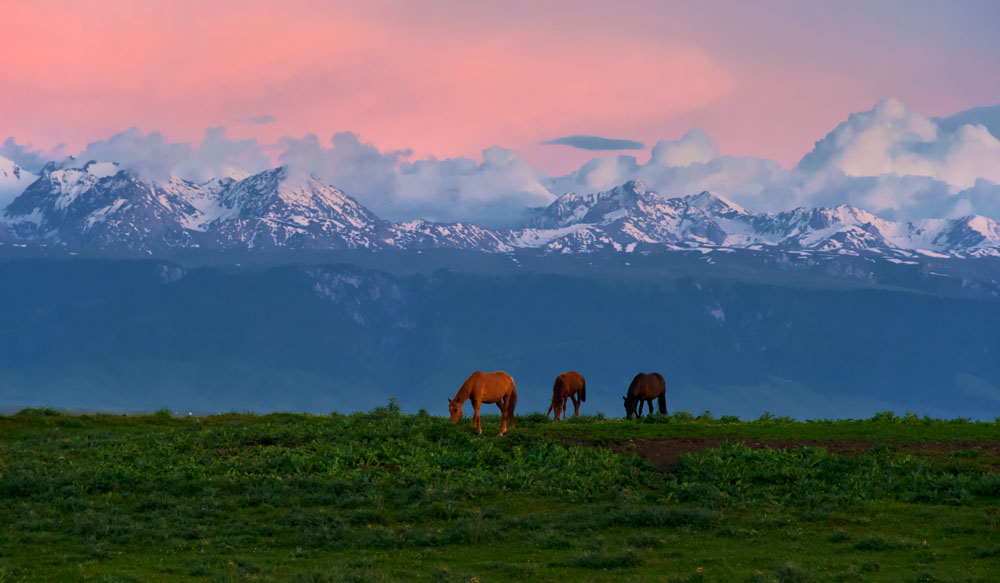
pixel 646 387
pixel 486 387
pixel 568 385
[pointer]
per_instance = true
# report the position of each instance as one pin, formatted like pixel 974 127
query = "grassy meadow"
pixel 383 496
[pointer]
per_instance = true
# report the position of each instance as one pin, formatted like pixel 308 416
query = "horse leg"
pixel 650 403
pixel 564 408
pixel 475 415
pixel 504 404
pixel 576 405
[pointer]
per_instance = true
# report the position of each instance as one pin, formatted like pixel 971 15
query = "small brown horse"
pixel 568 385
pixel 646 387
pixel 486 387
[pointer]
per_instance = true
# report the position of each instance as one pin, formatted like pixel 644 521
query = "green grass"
pixel 383 496
pixel 883 427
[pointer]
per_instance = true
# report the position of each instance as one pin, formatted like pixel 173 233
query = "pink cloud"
pixel 453 77
pixel 181 66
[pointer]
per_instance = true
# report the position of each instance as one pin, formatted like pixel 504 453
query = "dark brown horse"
pixel 568 385
pixel 486 387
pixel 646 387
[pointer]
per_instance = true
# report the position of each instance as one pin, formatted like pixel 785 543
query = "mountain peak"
pixel 636 185
pixel 714 203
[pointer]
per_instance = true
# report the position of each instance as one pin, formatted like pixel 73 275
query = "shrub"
pixel 644 540
pixel 600 560
pixel 39 412
pixel 656 516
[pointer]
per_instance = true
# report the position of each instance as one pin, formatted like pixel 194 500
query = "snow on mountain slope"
pixel 427 235
pixel 277 209
pixel 13 181
pixel 631 214
pixel 100 207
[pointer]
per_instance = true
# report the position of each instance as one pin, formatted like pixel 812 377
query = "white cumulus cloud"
pixel 152 157
pixel 496 191
pixel 27 156
pixel 888 160
pixel 892 139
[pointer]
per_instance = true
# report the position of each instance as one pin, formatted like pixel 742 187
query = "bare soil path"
pixel 664 452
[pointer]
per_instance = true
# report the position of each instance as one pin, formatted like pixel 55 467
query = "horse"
pixel 568 385
pixel 486 387
pixel 646 387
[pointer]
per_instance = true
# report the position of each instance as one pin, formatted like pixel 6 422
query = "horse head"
pixel 454 409
pixel 555 407
pixel 632 396
pixel 630 405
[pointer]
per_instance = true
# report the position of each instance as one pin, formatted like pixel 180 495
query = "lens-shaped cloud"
pixel 261 119
pixel 585 142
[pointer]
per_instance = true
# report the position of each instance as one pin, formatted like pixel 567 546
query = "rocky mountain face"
pixel 631 215
pixel 145 334
pixel 98 207
pixel 809 312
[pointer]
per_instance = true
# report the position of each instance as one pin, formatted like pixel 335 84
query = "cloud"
pixel 264 118
pixel 595 143
pixel 27 156
pixel 676 167
pixel 889 160
pixel 218 156
pixel 494 192
pixel 152 157
pixel 359 169
pixel 987 116
pixel 694 146
pixel 891 139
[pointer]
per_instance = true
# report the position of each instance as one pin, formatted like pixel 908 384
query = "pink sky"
pixel 450 78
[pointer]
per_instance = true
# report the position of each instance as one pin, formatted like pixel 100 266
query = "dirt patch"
pixel 664 452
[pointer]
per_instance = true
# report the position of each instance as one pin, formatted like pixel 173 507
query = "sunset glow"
pixel 448 78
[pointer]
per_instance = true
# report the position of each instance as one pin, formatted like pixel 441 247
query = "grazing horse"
pixel 486 387
pixel 646 387
pixel 568 385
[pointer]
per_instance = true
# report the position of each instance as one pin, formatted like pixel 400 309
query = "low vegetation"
pixel 383 496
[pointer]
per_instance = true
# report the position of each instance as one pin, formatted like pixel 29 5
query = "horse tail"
pixel 662 400
pixel 511 405
pixel 583 391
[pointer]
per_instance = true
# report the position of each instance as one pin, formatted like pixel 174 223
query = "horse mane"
pixel 466 389
pixel 557 388
pixel 634 385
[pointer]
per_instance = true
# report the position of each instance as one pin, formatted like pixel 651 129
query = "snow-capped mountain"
pixel 13 181
pixel 101 207
pixel 631 214
pixel 276 209
pixel 98 206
